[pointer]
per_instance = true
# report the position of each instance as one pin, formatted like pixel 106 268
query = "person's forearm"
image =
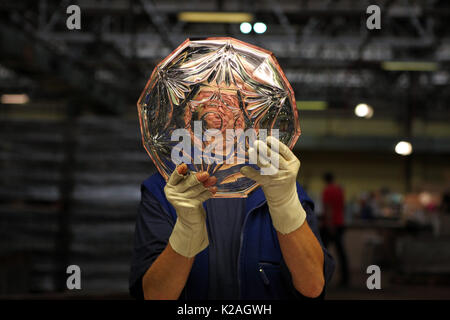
pixel 304 258
pixel 186 191
pixel 167 276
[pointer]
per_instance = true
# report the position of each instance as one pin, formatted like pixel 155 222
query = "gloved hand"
pixel 187 192
pixel 279 187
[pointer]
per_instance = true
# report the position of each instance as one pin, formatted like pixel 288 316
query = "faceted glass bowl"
pixel 225 84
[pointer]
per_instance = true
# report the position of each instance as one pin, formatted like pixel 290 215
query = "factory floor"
pixel 391 289
pixel 397 292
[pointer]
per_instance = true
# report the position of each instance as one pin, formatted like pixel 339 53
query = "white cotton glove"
pixel 187 193
pixel 279 186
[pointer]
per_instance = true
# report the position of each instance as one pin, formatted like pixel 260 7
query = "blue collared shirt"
pixel 225 220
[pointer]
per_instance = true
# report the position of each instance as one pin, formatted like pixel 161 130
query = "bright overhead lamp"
pixel 403 148
pixel 363 110
pixel 245 27
pixel 409 66
pixel 312 105
pixel 215 17
pixel 15 98
pixel 425 198
pixel 259 27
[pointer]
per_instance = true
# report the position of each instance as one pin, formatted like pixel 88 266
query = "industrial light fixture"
pixel 425 198
pixel 363 110
pixel 245 27
pixel 409 66
pixel 215 17
pixel 259 27
pixel 21 98
pixel 403 148
pixel 312 105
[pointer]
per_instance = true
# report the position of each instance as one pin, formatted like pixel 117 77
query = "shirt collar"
pixel 255 199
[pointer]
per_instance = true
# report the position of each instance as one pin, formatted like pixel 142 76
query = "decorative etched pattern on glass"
pixel 223 84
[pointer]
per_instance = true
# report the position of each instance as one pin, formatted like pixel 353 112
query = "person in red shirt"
pixel 333 223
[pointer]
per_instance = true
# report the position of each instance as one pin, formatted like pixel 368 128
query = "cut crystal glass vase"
pixel 211 89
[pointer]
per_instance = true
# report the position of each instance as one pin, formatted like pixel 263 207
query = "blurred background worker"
pixel 333 222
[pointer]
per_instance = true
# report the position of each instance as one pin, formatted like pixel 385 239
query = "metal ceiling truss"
pixel 323 45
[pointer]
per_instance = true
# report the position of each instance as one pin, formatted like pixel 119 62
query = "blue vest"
pixel 260 263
